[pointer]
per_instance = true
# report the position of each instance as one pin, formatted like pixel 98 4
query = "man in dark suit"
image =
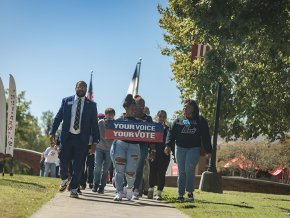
pixel 78 115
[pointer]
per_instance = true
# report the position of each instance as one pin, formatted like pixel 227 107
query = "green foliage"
pixel 250 57
pixel 47 119
pixel 18 167
pixel 28 133
pixel 267 156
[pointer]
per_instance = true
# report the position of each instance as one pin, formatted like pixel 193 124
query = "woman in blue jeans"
pixel 188 132
pixel 125 155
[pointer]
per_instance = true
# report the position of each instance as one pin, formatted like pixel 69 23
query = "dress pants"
pixel 72 150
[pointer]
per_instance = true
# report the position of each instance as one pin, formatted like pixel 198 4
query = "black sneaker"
pixel 91 185
pixel 95 188
pixel 190 197
pixel 180 199
pixel 74 195
pixel 79 191
pixel 101 190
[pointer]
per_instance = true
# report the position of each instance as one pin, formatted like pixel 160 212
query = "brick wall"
pixel 241 184
pixel 29 157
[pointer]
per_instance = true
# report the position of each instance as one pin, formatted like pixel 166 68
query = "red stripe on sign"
pixel 134 135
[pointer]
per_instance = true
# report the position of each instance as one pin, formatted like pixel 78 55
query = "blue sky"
pixel 50 45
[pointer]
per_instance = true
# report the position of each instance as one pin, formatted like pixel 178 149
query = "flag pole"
pixel 138 76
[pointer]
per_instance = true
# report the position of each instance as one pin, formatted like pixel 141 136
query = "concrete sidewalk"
pixel 91 204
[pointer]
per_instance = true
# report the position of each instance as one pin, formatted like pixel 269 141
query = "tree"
pixel 250 57
pixel 47 119
pixel 27 133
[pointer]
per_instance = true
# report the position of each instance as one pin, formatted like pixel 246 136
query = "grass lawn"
pixel 232 204
pixel 21 196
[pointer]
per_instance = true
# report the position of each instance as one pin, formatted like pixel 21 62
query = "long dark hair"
pixel 195 114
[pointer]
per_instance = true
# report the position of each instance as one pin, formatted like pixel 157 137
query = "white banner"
pixel 11 118
pixel 2 118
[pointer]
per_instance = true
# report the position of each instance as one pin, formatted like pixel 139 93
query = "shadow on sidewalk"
pixel 106 198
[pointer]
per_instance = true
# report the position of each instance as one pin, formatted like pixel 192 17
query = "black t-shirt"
pixel 160 146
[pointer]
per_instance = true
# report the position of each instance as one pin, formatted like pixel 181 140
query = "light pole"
pixel 211 181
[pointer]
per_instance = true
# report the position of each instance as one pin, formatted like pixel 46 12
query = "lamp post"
pixel 211 180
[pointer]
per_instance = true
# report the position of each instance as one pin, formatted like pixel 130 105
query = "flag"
pixel 90 91
pixel 199 50
pixel 2 118
pixel 11 117
pixel 134 85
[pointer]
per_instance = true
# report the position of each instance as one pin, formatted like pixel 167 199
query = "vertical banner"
pixel 11 118
pixel 2 118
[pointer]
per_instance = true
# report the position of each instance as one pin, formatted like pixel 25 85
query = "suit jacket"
pixel 89 121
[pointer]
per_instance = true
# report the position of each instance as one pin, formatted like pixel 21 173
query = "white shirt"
pixel 73 115
pixel 50 155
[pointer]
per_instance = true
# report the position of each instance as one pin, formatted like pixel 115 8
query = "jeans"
pixel 139 172
pixel 49 167
pixel 130 153
pixel 41 172
pixel 187 159
pixel 72 155
pixel 102 165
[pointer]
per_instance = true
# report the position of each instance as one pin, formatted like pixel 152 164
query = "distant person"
pixel 103 160
pixel 78 116
pixel 42 166
pixel 144 146
pixel 188 132
pixel 50 159
pixel 147 111
pixel 57 161
pixel 125 155
pixel 101 116
pixel 159 165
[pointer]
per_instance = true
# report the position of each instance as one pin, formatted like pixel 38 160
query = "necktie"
pixel 78 114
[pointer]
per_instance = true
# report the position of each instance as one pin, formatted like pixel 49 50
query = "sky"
pixel 50 45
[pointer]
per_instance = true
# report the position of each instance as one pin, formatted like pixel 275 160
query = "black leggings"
pixel 158 169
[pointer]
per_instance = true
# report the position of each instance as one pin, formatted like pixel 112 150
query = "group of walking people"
pixel 80 128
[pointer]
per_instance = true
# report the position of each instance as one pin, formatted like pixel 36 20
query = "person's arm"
pixel 45 154
pixel 170 139
pixel 56 122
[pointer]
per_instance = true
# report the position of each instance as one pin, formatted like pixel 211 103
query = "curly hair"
pixel 129 100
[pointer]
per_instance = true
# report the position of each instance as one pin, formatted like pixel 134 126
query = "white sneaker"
pixel 129 194
pixel 135 196
pixel 118 196
pixel 63 185
pixel 158 195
